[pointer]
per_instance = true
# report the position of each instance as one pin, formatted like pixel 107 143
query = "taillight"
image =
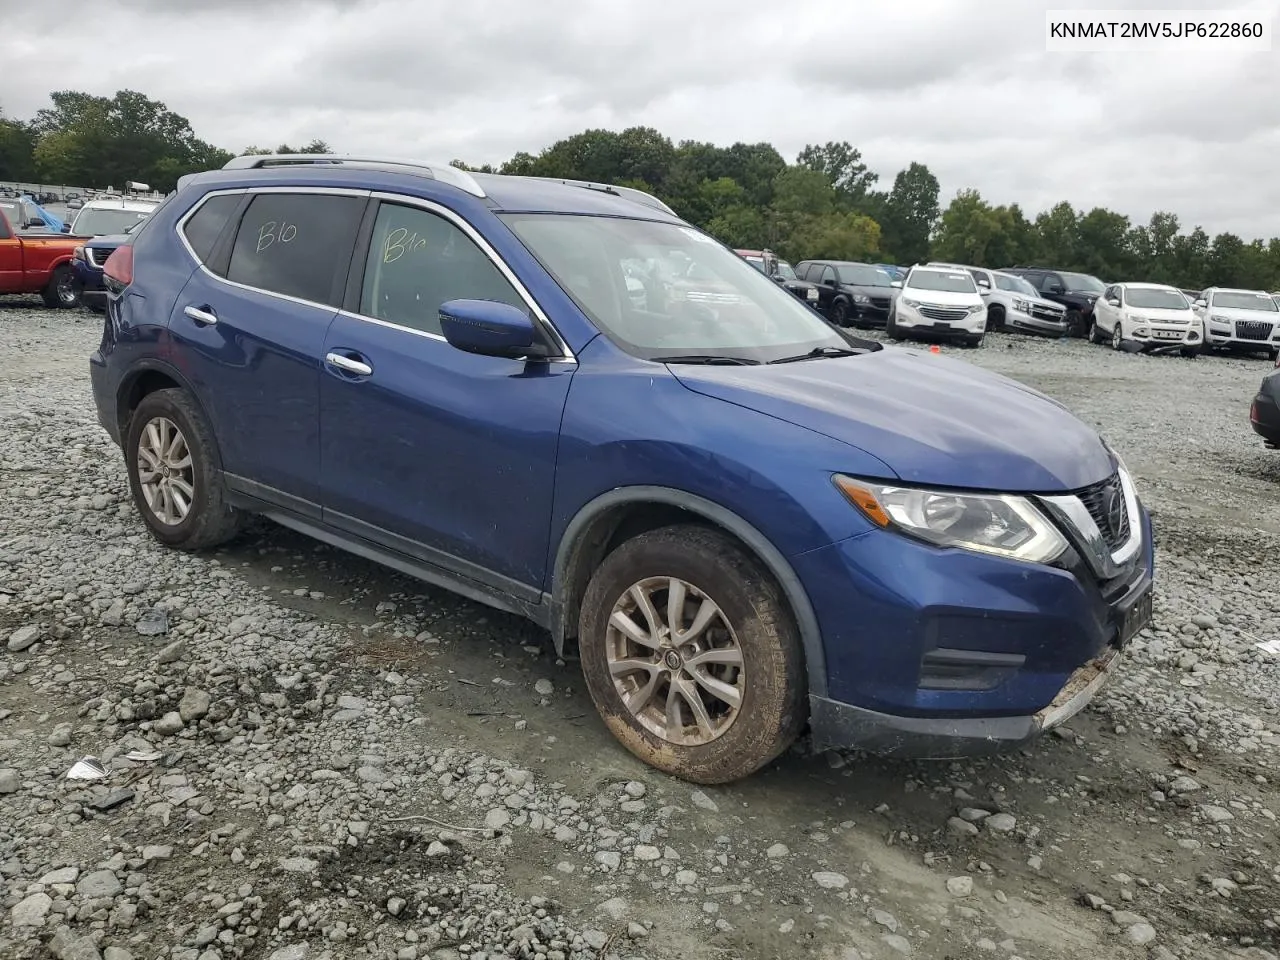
pixel 119 266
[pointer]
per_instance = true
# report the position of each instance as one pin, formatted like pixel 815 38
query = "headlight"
pixel 908 303
pixel 1226 320
pixel 861 298
pixel 977 309
pixel 1132 319
pixel 1021 306
pixel 999 524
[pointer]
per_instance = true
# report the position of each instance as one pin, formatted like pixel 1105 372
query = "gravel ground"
pixel 333 761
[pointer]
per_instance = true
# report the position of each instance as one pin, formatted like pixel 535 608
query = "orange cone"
pixel 935 349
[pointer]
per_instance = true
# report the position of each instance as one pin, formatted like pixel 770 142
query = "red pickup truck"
pixel 36 262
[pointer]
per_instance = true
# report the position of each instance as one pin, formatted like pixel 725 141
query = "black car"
pixel 1076 291
pixel 1264 412
pixel 851 293
pixel 781 273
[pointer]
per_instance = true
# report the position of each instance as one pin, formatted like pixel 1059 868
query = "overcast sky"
pixel 964 86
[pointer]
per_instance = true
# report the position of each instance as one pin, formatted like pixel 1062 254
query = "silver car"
pixel 1014 304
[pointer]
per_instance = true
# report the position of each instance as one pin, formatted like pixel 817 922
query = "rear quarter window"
pixel 205 226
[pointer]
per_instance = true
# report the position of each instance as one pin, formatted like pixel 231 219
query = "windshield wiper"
pixel 710 359
pixel 818 353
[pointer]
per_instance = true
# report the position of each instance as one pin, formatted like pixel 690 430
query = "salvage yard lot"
pixel 361 765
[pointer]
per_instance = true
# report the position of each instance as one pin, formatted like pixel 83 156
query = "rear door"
pixel 251 324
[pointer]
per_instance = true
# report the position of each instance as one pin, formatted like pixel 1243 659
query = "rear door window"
pixel 297 244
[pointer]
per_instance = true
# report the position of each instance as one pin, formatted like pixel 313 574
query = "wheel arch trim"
pixel 575 533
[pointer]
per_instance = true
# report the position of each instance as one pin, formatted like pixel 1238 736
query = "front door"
pixel 252 324
pixel 445 456
pixel 10 259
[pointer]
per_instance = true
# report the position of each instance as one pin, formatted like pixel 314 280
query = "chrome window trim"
pixel 1070 511
pixel 566 355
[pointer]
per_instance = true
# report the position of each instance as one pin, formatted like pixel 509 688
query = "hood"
pixel 798 284
pixel 942 298
pixel 108 240
pixel 1163 314
pixel 1040 301
pixel 1236 313
pixel 879 293
pixel 933 420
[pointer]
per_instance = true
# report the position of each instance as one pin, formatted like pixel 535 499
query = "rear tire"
pixel 175 473
pixel 749 649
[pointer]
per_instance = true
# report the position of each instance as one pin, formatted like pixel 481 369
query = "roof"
pixel 121 203
pixel 1151 286
pixel 1237 290
pixel 514 194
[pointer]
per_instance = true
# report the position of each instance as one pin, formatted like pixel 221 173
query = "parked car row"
pixel 889 583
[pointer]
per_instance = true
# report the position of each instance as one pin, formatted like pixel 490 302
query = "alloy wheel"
pixel 1117 336
pixel 165 471
pixel 65 289
pixel 675 661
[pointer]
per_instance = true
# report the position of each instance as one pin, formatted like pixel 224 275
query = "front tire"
pixel 61 291
pixel 840 313
pixel 995 319
pixel 1117 336
pixel 1075 323
pixel 973 340
pixel 1095 333
pixel 175 474
pixel 891 327
pixel 691 655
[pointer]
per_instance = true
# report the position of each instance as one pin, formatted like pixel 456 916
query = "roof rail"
pixel 627 193
pixel 435 170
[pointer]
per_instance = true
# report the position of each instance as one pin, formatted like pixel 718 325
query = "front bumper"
pixel 1155 335
pixel 1223 336
pixel 943 653
pixel 870 314
pixel 1264 412
pixel 912 320
pixel 1025 321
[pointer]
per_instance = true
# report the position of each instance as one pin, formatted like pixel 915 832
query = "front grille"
pixel 1253 330
pixel 949 314
pixel 1099 500
pixel 880 303
pixel 1044 313
pixel 99 255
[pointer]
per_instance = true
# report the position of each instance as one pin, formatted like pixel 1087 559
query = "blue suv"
pixel 559 399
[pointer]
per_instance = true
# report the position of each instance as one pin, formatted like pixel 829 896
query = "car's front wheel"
pixel 1075 323
pixel 840 313
pixel 691 655
pixel 1117 336
pixel 1095 332
pixel 174 473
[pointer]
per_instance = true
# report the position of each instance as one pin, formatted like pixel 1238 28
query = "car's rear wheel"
pixel 691 655
pixel 61 290
pixel 174 473
pixel 840 313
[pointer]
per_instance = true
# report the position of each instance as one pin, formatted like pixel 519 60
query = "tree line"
pixel 826 203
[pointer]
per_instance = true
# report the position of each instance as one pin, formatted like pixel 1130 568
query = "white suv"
pixel 1240 320
pixel 938 301
pixel 110 215
pixel 1149 314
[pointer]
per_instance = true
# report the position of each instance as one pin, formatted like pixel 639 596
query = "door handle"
pixel 358 367
pixel 206 317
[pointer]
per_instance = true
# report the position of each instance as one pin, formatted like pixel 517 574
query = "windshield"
pixel 1083 283
pixel 1245 301
pixel 862 275
pixel 1156 299
pixel 786 271
pixel 698 298
pixel 13 213
pixel 1014 284
pixel 946 281
pixel 92 222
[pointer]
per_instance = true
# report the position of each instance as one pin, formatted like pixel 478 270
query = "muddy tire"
pixel 175 474
pixel 735 650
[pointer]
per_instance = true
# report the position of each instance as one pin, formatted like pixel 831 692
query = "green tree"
pixel 1103 245
pixel 842 165
pixel 909 213
pixel 970 231
pixel 17 150
pixel 1058 231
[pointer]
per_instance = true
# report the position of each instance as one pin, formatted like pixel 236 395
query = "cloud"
pixel 964 86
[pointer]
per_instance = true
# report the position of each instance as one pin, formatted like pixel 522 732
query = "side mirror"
pixel 1200 304
pixel 984 284
pixel 66 228
pixel 489 328
pixel 896 284
pixel 33 222
pixel 1057 288
pixel 1113 301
